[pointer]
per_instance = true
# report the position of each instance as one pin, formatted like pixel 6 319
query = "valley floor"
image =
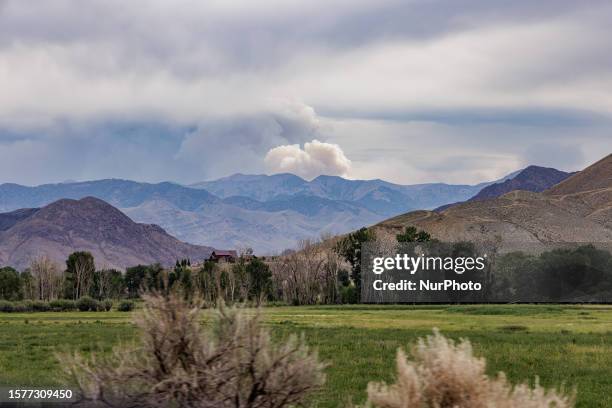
pixel 561 344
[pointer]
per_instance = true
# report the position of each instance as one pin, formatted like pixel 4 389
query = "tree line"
pixel 249 279
pixel 326 271
pixel 581 274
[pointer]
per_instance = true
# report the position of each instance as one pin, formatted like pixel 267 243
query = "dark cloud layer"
pixel 248 35
pixel 150 150
pixel 155 90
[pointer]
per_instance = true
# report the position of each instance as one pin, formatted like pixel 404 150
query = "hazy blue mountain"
pixel 119 193
pixel 259 187
pixel 246 203
pixel 302 203
pixel 268 213
pixel 267 228
pixel 309 205
pixel 378 196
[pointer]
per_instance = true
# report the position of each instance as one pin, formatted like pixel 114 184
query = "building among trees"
pixel 219 255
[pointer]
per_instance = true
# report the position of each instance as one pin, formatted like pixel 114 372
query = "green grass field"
pixel 569 345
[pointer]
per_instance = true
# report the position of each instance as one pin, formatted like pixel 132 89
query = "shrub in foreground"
pixel 17 307
pixel 86 304
pixel 40 306
pixel 62 305
pixel 24 306
pixel 178 362
pixel 444 375
pixel 6 306
pixel 125 306
pixel 349 295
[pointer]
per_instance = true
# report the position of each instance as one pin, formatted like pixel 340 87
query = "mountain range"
pixel 88 224
pixel 266 213
pixel 377 196
pixel 578 209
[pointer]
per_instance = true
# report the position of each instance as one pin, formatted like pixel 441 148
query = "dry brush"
pixel 443 374
pixel 181 363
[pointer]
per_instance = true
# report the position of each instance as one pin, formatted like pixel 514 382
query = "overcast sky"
pixel 456 91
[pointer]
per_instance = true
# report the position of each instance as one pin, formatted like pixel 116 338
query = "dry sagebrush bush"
pixel 448 375
pixel 180 363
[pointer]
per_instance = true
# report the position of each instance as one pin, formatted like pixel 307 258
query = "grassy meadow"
pixel 569 345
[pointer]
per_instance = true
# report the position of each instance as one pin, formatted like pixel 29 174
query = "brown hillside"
pixel 594 177
pixel 577 210
pixel 93 225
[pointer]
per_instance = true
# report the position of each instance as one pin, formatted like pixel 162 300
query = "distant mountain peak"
pixel 537 170
pixel 248 177
pixel 328 177
pixel 93 225
pixel 85 210
pixel 532 178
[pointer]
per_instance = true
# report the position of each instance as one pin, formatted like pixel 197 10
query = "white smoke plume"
pixel 314 159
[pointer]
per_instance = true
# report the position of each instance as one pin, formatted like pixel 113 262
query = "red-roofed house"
pixel 219 255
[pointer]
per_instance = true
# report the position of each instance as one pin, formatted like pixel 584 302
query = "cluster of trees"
pixel 582 274
pixel 249 279
pixel 318 272
pixel 560 275
pixel 44 280
pixel 311 275
pixel 349 248
pixel 329 271
pixel 315 273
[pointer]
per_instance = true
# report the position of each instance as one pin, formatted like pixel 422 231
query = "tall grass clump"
pixel 178 362
pixel 443 374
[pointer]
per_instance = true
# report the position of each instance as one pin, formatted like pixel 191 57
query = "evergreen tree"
pixel 350 249
pixel 410 234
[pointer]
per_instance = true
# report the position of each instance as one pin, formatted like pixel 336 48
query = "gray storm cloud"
pixel 314 159
pixel 89 96
pixel 238 143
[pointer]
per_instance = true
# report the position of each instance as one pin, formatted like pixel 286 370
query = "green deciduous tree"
pixel 80 268
pixel 260 278
pixel 134 279
pixel 108 283
pixel 10 284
